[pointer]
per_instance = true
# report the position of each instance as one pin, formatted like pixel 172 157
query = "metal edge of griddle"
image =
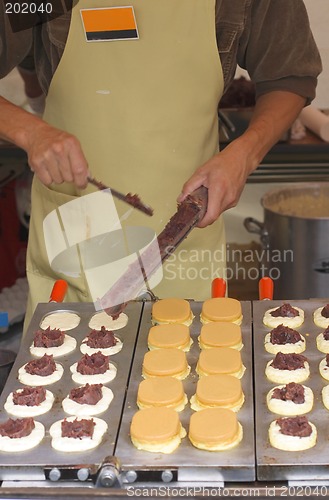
pixel 273 464
pixel 181 466
pixel 43 462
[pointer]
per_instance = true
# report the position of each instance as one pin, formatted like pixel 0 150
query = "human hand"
pixel 224 175
pixel 55 156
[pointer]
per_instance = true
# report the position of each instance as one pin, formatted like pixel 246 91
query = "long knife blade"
pixel 131 283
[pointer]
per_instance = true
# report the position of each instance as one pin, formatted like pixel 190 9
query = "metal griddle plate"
pixel 273 464
pixel 186 462
pixel 32 464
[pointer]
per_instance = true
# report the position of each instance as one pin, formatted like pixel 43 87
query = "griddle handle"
pixel 265 288
pixel 218 287
pixel 59 291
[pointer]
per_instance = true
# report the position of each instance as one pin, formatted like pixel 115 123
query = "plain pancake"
pixel 221 309
pixel 220 360
pixel 161 391
pixel 220 334
pixel 172 311
pixel 165 363
pixel 291 443
pixel 156 429
pixel 169 335
pixel 215 429
pixel 223 391
pixel 289 408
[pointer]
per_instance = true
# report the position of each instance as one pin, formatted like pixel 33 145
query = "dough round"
pixel 35 380
pixel 103 319
pixel 84 410
pixel 296 347
pixel 285 376
pixel 62 320
pixel 324 369
pixel 29 411
pixel 289 408
pixel 98 378
pixel 320 320
pixel 322 344
pixel 14 445
pixel 68 345
pixel 274 321
pixel 108 351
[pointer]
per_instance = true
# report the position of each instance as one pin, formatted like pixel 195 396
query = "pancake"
pixel 9 444
pixel 220 334
pixel 71 444
pixel 220 360
pixel 61 320
pixel 221 309
pixel 215 429
pixel 296 400
pixel 324 367
pixel 68 346
pixel 98 378
pixel 165 363
pixel 281 440
pixel 83 410
pixel 103 319
pixel 166 311
pixel 107 351
pixel 284 339
pixel 218 391
pixel 285 368
pixel 169 336
pixel 325 396
pixel 322 341
pixel 157 430
pixel 321 316
pixel 28 411
pixel 161 391
pixel 34 380
pixel 293 321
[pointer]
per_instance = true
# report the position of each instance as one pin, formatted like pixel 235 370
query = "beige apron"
pixel 145 112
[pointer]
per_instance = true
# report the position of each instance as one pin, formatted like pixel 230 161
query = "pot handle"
pixel 254 226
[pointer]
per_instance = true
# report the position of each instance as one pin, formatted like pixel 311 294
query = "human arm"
pixel 225 174
pixel 54 155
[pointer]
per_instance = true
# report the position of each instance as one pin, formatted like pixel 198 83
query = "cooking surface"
pixel 237 464
pixel 30 464
pixel 273 464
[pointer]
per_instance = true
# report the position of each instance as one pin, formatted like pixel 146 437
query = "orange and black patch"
pixel 111 23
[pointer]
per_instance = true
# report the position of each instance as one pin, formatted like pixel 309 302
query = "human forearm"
pixel 54 155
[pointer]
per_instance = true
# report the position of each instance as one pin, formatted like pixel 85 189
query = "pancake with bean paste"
pixel 52 341
pixel 218 391
pixel 87 400
pixel 220 360
pixel 42 371
pixel 290 399
pixel 156 430
pixel 322 341
pixel 324 367
pixel 292 433
pixel 285 315
pixel 321 316
pixel 221 309
pixel 285 368
pixel 169 336
pixel 29 402
pixel 75 435
pixel 21 434
pixel 172 311
pixel 103 341
pixel 220 334
pixel 284 339
pixel 165 363
pixel 215 429
pixel 161 391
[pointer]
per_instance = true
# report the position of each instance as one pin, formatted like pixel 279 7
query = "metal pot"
pixel 295 238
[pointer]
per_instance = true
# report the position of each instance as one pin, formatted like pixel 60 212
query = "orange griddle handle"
pixel 58 292
pixel 218 287
pixel 265 288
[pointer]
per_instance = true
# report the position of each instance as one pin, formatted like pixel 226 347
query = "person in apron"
pixel 144 111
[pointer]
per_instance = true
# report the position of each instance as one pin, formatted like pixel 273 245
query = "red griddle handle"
pixel 218 288
pixel 58 292
pixel 265 288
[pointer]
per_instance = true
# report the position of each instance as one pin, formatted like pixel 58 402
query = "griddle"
pixel 273 464
pixel 188 463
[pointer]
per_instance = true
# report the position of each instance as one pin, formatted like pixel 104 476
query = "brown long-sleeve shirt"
pixel 271 39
